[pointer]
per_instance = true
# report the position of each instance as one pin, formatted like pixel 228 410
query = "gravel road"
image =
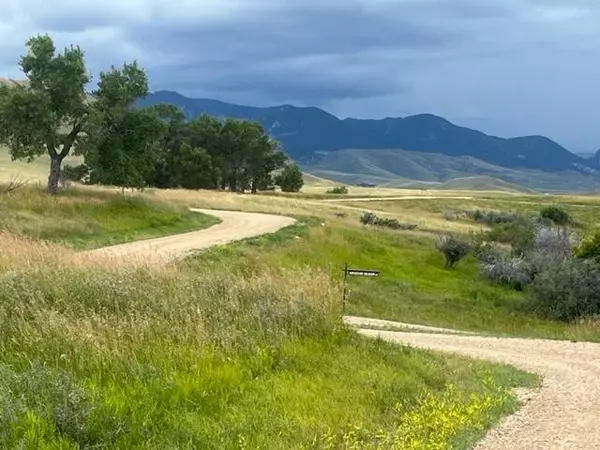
pixel 234 226
pixel 563 415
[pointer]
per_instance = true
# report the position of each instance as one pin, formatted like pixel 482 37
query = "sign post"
pixel 355 273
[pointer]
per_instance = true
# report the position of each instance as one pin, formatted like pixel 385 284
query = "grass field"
pixel 242 347
pixel 34 172
pixel 91 219
pixel 414 287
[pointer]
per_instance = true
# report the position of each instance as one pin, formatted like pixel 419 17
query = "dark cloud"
pixel 507 65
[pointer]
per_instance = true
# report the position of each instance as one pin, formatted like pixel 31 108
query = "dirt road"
pixel 234 226
pixel 562 415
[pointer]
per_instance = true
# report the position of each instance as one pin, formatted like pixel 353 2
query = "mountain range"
pixel 422 147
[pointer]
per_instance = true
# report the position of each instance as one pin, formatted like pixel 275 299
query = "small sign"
pixel 355 273
pixel 363 273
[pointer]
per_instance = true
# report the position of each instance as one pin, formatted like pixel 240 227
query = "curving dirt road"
pixel 563 415
pixel 234 226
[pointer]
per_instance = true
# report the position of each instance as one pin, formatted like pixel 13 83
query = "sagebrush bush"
pixel 553 241
pixel 453 248
pixel 566 289
pixel 493 217
pixel 519 234
pixel 506 270
pixel 520 270
pixel 556 214
pixel 369 218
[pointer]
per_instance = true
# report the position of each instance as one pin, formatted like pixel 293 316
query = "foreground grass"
pixel 85 219
pixel 413 287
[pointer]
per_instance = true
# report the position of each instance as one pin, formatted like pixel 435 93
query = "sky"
pixel 506 67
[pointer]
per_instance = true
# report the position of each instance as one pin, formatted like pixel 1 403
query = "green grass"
pixel 182 359
pixel 413 287
pixel 85 220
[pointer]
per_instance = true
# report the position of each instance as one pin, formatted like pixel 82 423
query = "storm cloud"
pixel 506 66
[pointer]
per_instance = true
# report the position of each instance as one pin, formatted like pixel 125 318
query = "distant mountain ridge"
pixel 307 132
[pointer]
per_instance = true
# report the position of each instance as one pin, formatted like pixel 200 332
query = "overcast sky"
pixel 508 67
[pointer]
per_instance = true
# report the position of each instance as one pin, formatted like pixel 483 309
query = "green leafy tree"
pixel 206 132
pixel 290 179
pixel 121 144
pixel 262 157
pixel 47 115
pixel 169 146
pixel 194 168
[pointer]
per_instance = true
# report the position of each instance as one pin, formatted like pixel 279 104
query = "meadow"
pixel 91 219
pixel 238 347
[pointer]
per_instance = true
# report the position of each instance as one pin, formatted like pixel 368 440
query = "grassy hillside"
pixel 400 168
pixel 88 219
pixel 216 352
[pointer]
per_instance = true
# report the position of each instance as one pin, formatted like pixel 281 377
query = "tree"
pixel 48 113
pixel 121 141
pixel 168 146
pixel 205 132
pixel 194 168
pixel 290 179
pixel 262 156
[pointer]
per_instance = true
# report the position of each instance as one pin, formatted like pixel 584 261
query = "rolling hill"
pixel 400 168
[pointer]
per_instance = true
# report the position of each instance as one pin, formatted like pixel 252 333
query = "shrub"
pixel 369 218
pixel 566 289
pixel 451 216
pixel 552 241
pixel 453 248
pixel 340 190
pixel 589 248
pixel 508 271
pixel 520 234
pixel 394 224
pixel 493 217
pixel 557 215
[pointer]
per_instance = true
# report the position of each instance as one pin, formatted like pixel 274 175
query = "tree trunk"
pixel 54 177
pixel 254 188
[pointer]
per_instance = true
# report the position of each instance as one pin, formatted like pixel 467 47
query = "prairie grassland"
pixel 209 353
pixel 89 219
